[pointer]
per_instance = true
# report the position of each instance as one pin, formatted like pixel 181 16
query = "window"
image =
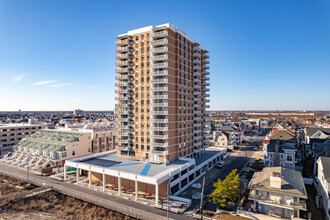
pixel 73 153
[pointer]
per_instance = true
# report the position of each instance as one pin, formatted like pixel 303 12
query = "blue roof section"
pixel 145 169
pixel 126 164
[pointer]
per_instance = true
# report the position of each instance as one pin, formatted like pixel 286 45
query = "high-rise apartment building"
pixel 162 94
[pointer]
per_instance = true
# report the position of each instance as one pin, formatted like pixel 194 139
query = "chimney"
pixel 277 146
pixel 275 180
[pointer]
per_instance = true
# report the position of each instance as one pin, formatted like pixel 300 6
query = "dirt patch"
pixel 50 205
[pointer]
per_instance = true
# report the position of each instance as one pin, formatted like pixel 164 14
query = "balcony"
pixel 159 136
pixel 197 138
pixel 197 112
pixel 197 87
pixel 159 96
pixel 205 72
pixel 197 49
pixel 160 112
pixel 197 80
pixel 124 141
pixel 165 104
pixel 197 118
pixel 159 34
pixel 206 140
pixel 159 49
pixel 121 105
pixel 159 89
pixel 122 49
pixel 198 68
pixel 160 57
pixel 197 106
pixel 122 148
pixel 123 112
pixel 198 144
pixel 197 125
pixel 121 84
pixel 122 56
pixel 122 70
pixel 122 42
pixel 160 73
pixel 122 63
pixel 121 91
pixel 123 119
pixel 165 120
pixel 207 106
pixel 123 127
pixel 278 203
pixel 206 56
pixel 198 55
pixel 197 131
pixel 197 99
pixel 121 77
pixel 206 62
pixel 197 74
pixel 206 78
pixel 122 134
pixel 206 89
pixel 207 95
pixel 205 67
pixel 159 144
pixel 159 65
pixel 121 98
pixel 206 84
pixel 160 128
pixel 160 81
pixel 159 42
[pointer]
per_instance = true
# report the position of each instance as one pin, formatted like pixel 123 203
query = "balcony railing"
pixel 159 42
pixel 165 120
pixel 123 119
pixel 159 96
pixel 159 136
pixel 160 65
pixel 159 81
pixel 122 49
pixel 159 34
pixel 160 73
pixel 165 104
pixel 121 105
pixel 197 67
pixel 122 56
pixel 197 125
pixel 159 144
pixel 121 77
pixel 122 148
pixel 122 63
pixel 121 91
pixel 122 42
pixel 160 57
pixel 124 141
pixel 160 128
pixel 281 203
pixel 122 84
pixel 160 112
pixel 197 144
pixel 159 89
pixel 159 49
pixel 197 55
pixel 197 80
pixel 122 70
pixel 197 131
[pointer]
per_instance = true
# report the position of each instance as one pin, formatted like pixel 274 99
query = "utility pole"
pixel 202 195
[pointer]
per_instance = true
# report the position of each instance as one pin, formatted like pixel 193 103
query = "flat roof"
pixel 117 164
pixel 18 125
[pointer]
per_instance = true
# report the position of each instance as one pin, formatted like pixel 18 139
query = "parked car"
pixel 255 148
pixel 220 164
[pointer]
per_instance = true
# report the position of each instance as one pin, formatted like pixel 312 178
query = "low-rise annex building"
pixel 141 180
pixel 48 149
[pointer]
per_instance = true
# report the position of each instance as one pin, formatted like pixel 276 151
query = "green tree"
pixel 226 190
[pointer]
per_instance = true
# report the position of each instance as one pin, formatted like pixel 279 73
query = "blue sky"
pixel 264 55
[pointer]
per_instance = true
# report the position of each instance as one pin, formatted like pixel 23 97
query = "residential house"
pixel 322 184
pixel 278 191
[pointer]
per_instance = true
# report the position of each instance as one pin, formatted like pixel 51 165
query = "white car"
pixel 220 164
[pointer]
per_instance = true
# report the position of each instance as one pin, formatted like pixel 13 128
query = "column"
pixel 90 178
pixel 157 192
pixel 136 189
pixel 64 173
pixel 77 175
pixel 104 182
pixel 119 186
